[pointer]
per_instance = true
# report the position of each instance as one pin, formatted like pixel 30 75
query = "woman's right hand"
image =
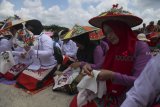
pixel 27 48
pixel 23 55
pixel 87 69
pixel 15 45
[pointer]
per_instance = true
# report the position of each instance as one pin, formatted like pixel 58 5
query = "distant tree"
pixel 60 31
pixel 55 28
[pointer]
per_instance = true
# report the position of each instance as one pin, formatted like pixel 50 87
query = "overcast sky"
pixel 69 12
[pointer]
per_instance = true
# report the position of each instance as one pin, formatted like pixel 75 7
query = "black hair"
pixel 85 54
pixel 18 26
pixel 82 39
pixel 55 34
pixel 55 37
pixel 158 22
pixel 35 26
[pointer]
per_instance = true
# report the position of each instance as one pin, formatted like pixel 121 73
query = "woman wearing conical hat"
pixel 5 48
pixel 14 25
pixel 40 72
pixel 88 53
pixel 124 60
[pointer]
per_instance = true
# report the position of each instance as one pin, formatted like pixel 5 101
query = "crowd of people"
pixel 108 65
pixel 150 34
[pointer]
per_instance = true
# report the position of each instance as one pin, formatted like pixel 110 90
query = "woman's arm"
pixel 45 47
pixel 5 45
pixel 98 58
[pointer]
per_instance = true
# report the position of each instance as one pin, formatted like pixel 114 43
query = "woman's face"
pixel 111 36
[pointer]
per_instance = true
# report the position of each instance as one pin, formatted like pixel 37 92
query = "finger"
pixel 91 74
pixel 99 77
pixel 89 68
pixel 87 71
pixel 71 65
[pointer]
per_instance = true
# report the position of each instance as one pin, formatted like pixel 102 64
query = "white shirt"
pixel 43 53
pixel 69 49
pixel 5 45
pixel 17 56
pixel 146 87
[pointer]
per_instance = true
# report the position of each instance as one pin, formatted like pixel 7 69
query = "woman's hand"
pixel 75 65
pixel 27 48
pixel 105 75
pixel 15 45
pixel 23 55
pixel 87 69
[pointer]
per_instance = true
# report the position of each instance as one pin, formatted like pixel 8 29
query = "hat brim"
pixel 147 40
pixel 131 20
pixel 99 38
pixel 84 33
pixel 71 35
pixel 97 35
pixel 67 35
pixel 9 25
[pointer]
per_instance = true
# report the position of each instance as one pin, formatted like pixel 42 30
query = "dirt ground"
pixel 13 97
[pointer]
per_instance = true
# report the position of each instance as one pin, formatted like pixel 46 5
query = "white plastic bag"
pixel 6 61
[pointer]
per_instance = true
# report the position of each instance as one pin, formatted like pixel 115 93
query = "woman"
pixel 5 45
pixel 40 72
pixel 88 52
pixel 124 60
pixel 14 24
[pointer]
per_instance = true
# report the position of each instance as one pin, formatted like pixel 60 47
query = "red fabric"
pixel 65 60
pixel 74 103
pixel 16 68
pixel 150 37
pixel 125 48
pixel 152 44
pixel 9 76
pixel 30 83
pixel 1 75
pixel 158 105
pixel 46 83
pixel 27 81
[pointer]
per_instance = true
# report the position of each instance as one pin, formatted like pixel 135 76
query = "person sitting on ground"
pixel 40 72
pixel 18 52
pixel 88 53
